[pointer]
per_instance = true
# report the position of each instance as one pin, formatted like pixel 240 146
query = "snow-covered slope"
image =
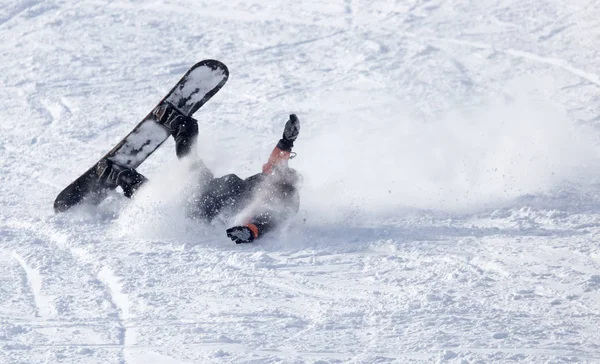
pixel 450 208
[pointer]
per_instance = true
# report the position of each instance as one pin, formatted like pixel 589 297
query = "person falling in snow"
pixel 268 198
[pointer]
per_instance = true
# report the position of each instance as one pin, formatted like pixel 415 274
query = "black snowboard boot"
pixel 112 175
pixel 185 132
pixel 184 129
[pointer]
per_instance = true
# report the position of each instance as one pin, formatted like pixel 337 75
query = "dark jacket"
pixel 265 199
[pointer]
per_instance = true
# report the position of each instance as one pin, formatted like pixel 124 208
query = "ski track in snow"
pixel 45 309
pixel 449 213
pixel 121 302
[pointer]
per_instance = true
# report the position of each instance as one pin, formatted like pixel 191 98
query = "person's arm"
pixel 257 226
pixel 263 222
pixel 283 149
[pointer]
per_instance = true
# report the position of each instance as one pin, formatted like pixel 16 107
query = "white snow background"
pixel 450 206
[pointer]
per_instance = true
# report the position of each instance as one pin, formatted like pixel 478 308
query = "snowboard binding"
pixel 183 128
pixel 112 175
pixel 94 185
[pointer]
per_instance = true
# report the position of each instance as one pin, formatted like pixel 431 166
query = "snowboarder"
pixel 265 199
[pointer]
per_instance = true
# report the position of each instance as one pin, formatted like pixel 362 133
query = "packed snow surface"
pixel 450 207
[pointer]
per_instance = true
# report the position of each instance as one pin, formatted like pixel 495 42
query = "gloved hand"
pixel 290 133
pixel 240 234
pixel 292 128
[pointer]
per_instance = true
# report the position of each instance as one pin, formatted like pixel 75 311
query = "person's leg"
pixel 185 132
pixel 183 128
pixel 202 174
pixel 206 200
pixel 254 228
pixel 216 195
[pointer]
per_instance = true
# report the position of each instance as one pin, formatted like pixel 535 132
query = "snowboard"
pixel 201 82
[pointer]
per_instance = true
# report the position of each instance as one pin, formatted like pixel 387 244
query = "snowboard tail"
pixel 195 88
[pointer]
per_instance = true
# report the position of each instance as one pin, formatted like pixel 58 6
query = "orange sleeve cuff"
pixel 254 230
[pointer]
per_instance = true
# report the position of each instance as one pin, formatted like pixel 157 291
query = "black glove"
pixel 240 234
pixel 292 128
pixel 290 133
